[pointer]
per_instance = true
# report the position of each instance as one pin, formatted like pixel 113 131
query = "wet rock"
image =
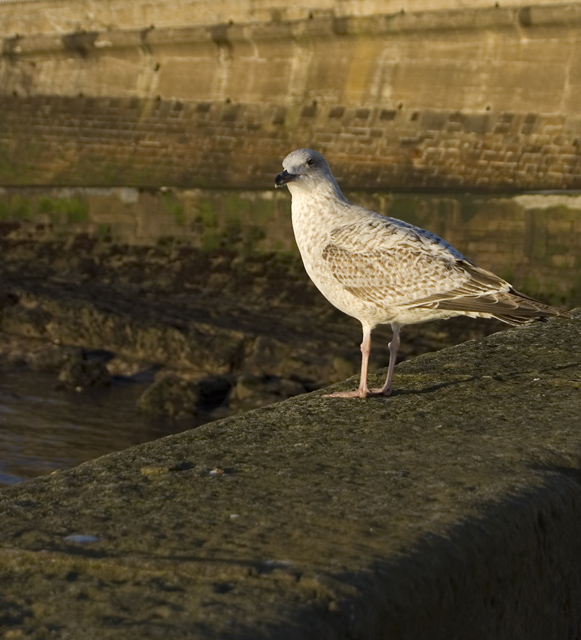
pixel 24 321
pixel 53 358
pixel 7 299
pixel 177 397
pixel 39 355
pixel 170 395
pixel 345 366
pixel 12 351
pixel 214 391
pixel 202 313
pixel 136 370
pixel 84 373
pixel 266 354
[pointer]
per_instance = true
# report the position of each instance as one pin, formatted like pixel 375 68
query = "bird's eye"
pixel 310 162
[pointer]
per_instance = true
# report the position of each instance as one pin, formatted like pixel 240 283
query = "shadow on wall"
pixel 513 573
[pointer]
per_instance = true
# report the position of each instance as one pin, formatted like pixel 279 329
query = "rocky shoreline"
pixel 212 332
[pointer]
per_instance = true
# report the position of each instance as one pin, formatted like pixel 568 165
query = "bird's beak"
pixel 284 178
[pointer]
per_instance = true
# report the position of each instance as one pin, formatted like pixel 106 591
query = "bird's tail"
pixel 528 309
pixel 509 306
pixel 486 295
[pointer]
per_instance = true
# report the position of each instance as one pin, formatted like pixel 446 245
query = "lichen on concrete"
pixel 449 510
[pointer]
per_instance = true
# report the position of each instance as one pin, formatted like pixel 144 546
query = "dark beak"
pixel 284 178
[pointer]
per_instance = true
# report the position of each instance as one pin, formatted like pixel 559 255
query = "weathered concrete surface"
pixel 59 16
pixel 450 510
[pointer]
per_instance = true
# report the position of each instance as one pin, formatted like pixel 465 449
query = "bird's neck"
pixel 315 213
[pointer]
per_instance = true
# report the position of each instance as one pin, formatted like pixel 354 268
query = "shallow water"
pixel 44 428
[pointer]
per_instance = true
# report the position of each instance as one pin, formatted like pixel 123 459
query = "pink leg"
pixel 393 349
pixel 363 390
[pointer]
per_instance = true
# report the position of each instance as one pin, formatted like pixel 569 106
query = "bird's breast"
pixel 312 228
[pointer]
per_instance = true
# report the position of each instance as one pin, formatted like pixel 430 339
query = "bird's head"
pixel 306 170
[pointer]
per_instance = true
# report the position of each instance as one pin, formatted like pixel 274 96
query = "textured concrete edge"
pixel 511 573
pixel 515 568
pixel 509 569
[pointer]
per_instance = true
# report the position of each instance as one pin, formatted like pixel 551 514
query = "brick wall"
pixel 147 142
pixel 472 99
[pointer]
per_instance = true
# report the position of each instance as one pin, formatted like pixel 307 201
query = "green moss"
pixel 561 211
pixel 236 207
pixel 574 296
pixel 20 207
pixel 46 205
pixel 443 207
pixel 531 285
pixel 506 274
pixel 253 235
pixel 232 235
pixel 287 208
pixel 173 206
pixel 537 234
pixel 469 207
pixel 557 249
pixel 110 173
pixel 281 248
pixel 8 168
pixel 211 240
pixel 405 208
pixel 69 210
pixel 199 182
pixel 104 233
pixel 77 211
pixel 261 211
pixel 207 215
pixel 17 208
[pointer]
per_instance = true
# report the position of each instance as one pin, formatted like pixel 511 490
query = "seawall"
pixel 449 510
pixel 431 96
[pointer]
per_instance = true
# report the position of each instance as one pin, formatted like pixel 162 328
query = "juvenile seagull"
pixel 384 271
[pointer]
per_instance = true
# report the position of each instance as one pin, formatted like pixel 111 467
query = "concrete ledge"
pixel 323 24
pixel 59 16
pixel 450 510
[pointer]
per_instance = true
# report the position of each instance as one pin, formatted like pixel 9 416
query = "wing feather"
pixel 393 267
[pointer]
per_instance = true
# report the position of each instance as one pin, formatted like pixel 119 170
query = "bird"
pixel 382 270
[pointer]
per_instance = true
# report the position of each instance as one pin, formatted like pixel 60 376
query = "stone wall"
pixel 483 98
pixel 60 140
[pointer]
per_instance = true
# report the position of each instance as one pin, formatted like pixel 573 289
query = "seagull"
pixel 381 270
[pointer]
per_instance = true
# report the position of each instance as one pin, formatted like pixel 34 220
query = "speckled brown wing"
pixel 394 269
pixel 388 267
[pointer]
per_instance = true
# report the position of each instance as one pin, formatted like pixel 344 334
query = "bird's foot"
pixel 359 393
pixel 379 392
pixel 347 394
